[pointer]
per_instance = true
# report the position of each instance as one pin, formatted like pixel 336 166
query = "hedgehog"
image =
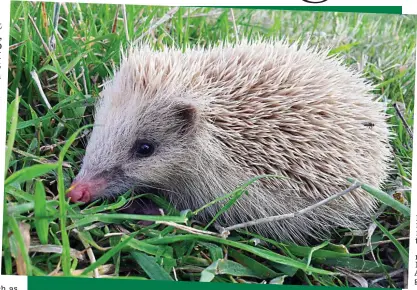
pixel 192 125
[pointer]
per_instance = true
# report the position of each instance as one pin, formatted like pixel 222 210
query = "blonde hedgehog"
pixel 193 125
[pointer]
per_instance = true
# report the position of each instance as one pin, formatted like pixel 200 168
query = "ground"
pixel 54 78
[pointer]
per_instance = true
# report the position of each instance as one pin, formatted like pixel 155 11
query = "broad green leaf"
pixel 149 265
pixel 196 261
pixel 41 222
pixel 17 209
pixel 261 270
pixel 356 264
pixel 221 267
pixel 216 252
pixel 278 280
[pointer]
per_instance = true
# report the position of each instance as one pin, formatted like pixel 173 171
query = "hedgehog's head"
pixel 137 142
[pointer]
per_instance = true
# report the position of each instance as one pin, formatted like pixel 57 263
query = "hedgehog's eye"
pixel 143 148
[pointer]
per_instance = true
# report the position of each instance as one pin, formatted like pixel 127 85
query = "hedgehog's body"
pixel 221 116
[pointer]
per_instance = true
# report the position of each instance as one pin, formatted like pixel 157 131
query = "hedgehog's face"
pixel 135 146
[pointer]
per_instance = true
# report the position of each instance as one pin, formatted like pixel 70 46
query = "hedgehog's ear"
pixel 186 115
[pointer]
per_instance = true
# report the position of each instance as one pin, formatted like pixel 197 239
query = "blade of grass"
pixel 403 252
pixel 30 173
pixel 66 257
pixel 272 256
pixel 114 218
pixel 260 269
pixel 149 248
pixel 234 192
pixel 12 133
pixel 385 198
pixel 107 256
pixel 19 238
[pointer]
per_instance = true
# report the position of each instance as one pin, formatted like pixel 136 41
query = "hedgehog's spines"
pixel 264 107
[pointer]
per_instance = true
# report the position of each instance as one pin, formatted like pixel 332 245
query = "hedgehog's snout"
pixel 85 191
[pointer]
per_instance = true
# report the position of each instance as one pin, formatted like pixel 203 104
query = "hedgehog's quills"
pixel 194 125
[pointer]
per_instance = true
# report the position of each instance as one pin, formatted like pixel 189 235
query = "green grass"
pixel 43 234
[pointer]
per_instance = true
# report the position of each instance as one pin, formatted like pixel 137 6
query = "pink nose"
pixel 80 192
pixel 86 190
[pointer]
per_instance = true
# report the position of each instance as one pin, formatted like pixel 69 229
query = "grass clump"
pixel 54 79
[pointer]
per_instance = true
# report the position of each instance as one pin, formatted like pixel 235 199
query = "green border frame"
pixel 71 283
pixel 351 9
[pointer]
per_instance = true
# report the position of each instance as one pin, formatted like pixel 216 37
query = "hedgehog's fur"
pixel 223 115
